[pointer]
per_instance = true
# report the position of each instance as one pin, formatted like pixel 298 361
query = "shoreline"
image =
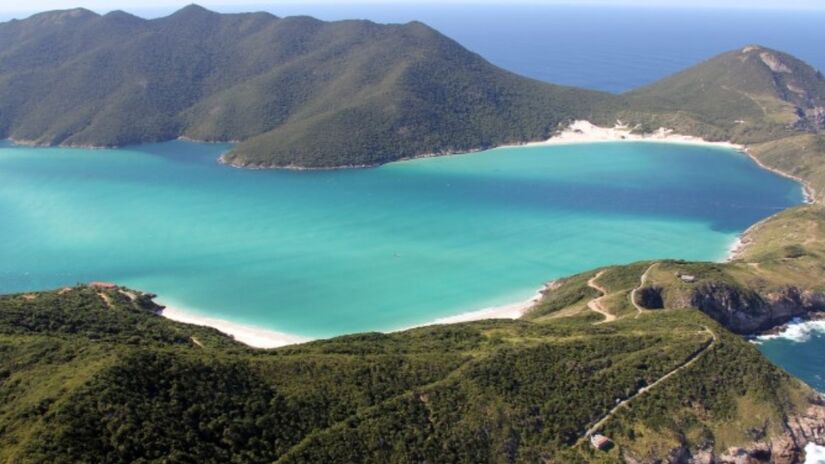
pixel 257 337
pixel 799 329
pixel 584 132
pixel 505 311
pixel 251 336
pixel 578 132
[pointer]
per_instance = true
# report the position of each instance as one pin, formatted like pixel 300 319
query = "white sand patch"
pixel 508 311
pixel 249 335
pixel 586 132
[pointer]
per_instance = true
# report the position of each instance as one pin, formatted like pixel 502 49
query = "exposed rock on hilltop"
pixel 748 95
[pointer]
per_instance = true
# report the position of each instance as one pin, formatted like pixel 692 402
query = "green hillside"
pixel 302 93
pixel 296 91
pixel 94 375
pixel 750 95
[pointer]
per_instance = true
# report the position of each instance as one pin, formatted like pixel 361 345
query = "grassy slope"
pixel 784 251
pixel 750 95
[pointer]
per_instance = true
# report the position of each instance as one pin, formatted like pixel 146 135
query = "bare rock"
pixel 774 63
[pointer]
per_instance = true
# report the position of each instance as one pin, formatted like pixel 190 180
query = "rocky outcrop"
pixel 787 448
pixel 774 63
pixel 808 427
pixel 746 311
pixel 810 118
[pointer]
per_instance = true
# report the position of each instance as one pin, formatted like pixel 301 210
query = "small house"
pixel 599 441
pixel 688 278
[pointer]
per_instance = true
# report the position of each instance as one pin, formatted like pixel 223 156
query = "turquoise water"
pixel 320 253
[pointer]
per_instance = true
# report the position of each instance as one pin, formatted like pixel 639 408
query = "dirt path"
pixel 596 303
pixel 642 281
pixel 105 299
pixel 689 362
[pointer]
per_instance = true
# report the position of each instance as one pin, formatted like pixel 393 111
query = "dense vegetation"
pixel 296 91
pixel 299 92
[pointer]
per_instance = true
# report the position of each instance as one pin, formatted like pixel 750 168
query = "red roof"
pixel 102 284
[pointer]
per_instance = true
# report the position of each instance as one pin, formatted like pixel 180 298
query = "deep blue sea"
pixel 606 48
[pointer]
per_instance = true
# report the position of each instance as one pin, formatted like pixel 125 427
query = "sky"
pixel 17 8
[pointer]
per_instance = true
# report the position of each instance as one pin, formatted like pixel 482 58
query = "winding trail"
pixel 596 303
pixel 688 362
pixel 642 281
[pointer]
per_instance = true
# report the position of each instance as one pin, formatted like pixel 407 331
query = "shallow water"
pixel 320 253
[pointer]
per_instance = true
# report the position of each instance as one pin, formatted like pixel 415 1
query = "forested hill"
pixel 297 91
pixel 93 374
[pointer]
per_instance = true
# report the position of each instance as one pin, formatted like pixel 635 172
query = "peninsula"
pixel 643 362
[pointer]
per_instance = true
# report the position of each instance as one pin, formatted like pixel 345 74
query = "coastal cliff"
pixel 774 278
pixel 787 447
pixel 748 312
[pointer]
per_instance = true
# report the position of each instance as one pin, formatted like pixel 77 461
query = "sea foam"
pixel 798 331
pixel 814 454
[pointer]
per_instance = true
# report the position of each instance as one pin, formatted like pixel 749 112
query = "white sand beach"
pixel 508 311
pixel 252 336
pixel 582 131
pixel 262 338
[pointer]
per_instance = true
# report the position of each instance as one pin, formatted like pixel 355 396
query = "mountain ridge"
pixel 218 77
pixel 298 92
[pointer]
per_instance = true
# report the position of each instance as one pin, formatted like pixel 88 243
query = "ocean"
pixel 607 48
pixel 323 253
